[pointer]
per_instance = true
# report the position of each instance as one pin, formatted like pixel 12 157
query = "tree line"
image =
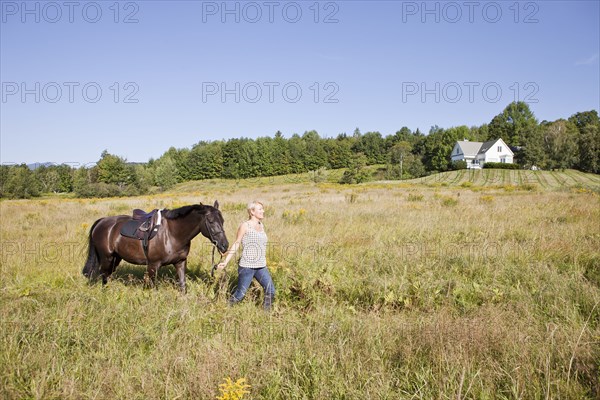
pixel 564 143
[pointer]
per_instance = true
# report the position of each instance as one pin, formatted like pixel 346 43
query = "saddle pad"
pixel 130 229
pixel 143 225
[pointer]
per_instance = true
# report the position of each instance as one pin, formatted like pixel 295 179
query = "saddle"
pixel 143 226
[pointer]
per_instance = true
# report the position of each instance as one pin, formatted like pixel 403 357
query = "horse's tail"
pixel 90 269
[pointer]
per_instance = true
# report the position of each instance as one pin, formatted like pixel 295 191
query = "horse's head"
pixel 213 228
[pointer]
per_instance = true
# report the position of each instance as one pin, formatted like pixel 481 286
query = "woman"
pixel 253 262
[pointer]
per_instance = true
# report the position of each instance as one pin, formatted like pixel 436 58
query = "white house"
pixel 477 153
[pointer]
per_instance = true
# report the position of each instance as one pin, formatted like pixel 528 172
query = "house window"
pixel 503 160
pixel 499 149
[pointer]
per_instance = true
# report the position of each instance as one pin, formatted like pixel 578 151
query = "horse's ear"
pixel 216 205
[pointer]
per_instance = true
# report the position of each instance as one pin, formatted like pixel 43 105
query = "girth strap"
pixel 143 226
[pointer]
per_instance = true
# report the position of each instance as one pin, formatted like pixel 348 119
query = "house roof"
pixel 486 145
pixel 469 148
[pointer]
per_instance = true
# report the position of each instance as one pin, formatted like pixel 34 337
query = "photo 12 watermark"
pixel 453 12
pixel 291 253
pixel 41 252
pixel 253 12
pixel 470 252
pixel 69 92
pixel 53 12
pixel 469 92
pixel 270 92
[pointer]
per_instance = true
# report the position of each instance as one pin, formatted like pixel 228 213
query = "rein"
pixel 222 280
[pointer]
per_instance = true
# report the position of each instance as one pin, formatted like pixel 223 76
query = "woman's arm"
pixel 234 247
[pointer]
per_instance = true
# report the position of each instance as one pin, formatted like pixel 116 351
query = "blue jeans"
pixel 245 276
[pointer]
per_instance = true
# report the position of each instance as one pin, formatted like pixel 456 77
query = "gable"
pixel 494 145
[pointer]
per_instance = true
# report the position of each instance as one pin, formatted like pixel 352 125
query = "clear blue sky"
pixel 136 78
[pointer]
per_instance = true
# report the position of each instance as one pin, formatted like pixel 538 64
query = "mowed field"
pixel 464 285
pixel 544 180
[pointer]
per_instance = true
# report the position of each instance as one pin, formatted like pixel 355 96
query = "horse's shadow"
pixel 135 275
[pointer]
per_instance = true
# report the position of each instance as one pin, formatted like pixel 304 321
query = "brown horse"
pixel 171 245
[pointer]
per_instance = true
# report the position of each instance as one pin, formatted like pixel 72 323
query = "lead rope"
pixel 214 266
pixel 222 278
pixel 214 242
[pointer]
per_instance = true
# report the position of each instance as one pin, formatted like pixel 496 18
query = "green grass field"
pixel 464 285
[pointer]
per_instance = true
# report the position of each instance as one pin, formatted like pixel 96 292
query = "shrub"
pixel 456 165
pixel 352 198
pixel 497 165
pixel 415 197
pixel 448 201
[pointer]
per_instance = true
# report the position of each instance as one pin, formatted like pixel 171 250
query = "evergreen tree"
pixel 338 151
pixel 265 158
pixel 281 155
pixel 356 172
pixel 314 156
pixel 296 148
pixel 239 157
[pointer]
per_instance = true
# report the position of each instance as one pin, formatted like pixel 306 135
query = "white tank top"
pixel 254 253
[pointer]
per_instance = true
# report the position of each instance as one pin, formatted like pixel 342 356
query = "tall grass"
pixel 411 292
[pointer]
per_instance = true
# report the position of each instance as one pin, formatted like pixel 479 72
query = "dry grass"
pixel 383 291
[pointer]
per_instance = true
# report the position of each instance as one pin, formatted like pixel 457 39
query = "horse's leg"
pixel 151 274
pixel 104 261
pixel 105 269
pixel 180 267
pixel 108 266
pixel 116 260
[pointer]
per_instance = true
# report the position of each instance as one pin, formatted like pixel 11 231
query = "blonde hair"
pixel 252 205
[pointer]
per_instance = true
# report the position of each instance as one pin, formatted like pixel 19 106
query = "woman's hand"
pixel 221 266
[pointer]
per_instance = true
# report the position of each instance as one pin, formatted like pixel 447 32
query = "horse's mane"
pixel 185 210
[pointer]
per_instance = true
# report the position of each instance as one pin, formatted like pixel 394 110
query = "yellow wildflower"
pixel 233 390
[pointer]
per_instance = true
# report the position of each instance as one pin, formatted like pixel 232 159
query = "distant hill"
pixel 37 165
